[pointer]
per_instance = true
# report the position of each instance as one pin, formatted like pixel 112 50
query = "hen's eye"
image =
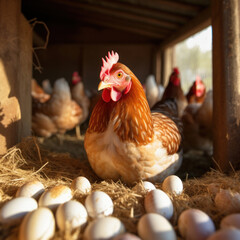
pixel 119 75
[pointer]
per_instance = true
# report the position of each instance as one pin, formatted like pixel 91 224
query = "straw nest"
pixel 30 161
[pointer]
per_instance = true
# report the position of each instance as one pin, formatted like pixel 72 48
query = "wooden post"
pixel 167 65
pixel 226 83
pixel 15 74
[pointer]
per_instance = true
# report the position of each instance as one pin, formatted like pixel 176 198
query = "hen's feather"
pixel 125 140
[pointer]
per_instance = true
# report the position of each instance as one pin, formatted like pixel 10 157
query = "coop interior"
pixel 72 166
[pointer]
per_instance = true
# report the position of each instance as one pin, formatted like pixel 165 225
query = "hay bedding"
pixel 35 159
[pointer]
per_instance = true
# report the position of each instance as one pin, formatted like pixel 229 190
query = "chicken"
pixel 47 86
pixel 174 90
pixel 124 140
pixel 197 91
pixel 154 91
pixel 79 95
pixel 38 93
pixel 57 115
pixel 197 126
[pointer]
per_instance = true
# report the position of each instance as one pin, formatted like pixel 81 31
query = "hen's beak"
pixel 103 85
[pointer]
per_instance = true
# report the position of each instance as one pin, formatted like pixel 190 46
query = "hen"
pixel 197 126
pixel 197 91
pixel 57 115
pixel 79 95
pixel 154 91
pixel 38 93
pixel 174 90
pixel 124 139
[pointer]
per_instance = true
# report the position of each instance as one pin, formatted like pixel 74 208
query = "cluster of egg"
pixel 39 211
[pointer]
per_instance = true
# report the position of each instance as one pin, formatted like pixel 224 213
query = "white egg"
pixel 172 184
pixel 232 220
pixel 227 202
pixel 81 185
pixel 103 228
pixel 53 197
pixel 99 204
pixel 126 236
pixel 194 224
pixel 15 209
pixel 225 234
pixel 71 214
pixel 32 189
pixel 157 201
pixel 39 224
pixel 144 185
pixel 152 226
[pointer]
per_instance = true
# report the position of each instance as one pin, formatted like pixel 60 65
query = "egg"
pixel 103 228
pixel 39 224
pixel 71 214
pixel 232 220
pixel 81 185
pixel 225 234
pixel 227 202
pixel 153 226
pixel 99 204
pixel 53 197
pixel 126 236
pixel 194 224
pixel 32 189
pixel 157 201
pixel 173 185
pixel 144 185
pixel 15 209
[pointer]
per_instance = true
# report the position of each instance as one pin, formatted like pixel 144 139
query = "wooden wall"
pixel 61 60
pixel 15 74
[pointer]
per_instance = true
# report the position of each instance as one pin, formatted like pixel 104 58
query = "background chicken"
pixel 124 139
pixel 57 115
pixel 154 91
pixel 37 92
pixel 79 95
pixel 174 90
pixel 197 125
pixel 197 91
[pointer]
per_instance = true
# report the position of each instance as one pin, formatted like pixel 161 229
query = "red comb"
pixel 107 65
pixel 176 70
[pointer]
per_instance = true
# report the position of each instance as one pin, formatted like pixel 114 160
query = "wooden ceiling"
pixel 164 22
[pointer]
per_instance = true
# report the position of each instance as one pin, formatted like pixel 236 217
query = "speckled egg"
pixel 39 224
pixel 152 226
pixel 99 204
pixel 225 234
pixel 194 224
pixel 32 189
pixel 227 202
pixel 230 221
pixel 71 215
pixel 103 228
pixel 173 185
pixel 15 209
pixel 81 185
pixel 53 197
pixel 157 201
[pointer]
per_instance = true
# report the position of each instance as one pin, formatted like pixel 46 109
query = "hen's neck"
pixel 130 116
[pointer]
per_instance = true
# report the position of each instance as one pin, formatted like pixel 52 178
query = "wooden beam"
pixel 116 13
pixel 201 21
pixel 226 83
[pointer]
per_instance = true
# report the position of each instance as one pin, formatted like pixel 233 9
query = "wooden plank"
pixel 14 117
pixel 226 83
pixel 116 13
pixel 201 21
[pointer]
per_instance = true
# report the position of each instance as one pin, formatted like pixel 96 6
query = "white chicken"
pixel 154 91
